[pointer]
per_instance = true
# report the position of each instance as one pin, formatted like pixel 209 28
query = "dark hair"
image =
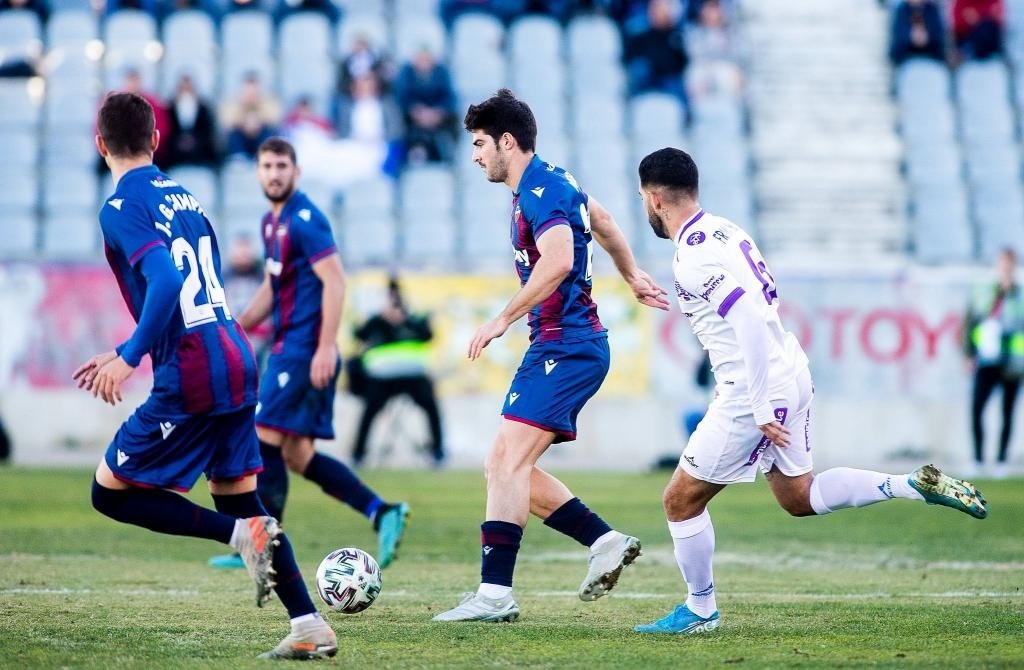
pixel 672 169
pixel 277 145
pixel 504 113
pixel 125 122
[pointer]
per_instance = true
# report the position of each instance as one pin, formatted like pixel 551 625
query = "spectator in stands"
pixel 694 8
pixel 363 58
pixel 427 99
pixel 242 277
pixel 917 32
pixel 303 119
pixel 977 28
pixel 155 8
pixel 716 59
pixel 192 137
pixel 394 363
pixel 994 345
pixel 656 55
pixel 211 7
pixel 41 9
pixel 325 7
pixel 5 444
pixel 250 118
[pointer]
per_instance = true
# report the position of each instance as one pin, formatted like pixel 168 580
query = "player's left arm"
pixel 325 360
pixel 752 334
pixel 607 233
pixel 104 374
pixel 555 263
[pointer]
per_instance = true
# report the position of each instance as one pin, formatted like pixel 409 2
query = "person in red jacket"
pixel 977 27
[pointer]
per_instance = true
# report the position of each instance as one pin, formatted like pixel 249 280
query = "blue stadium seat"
pixel 306 68
pixel 655 115
pixel 246 46
pixel 71 26
pixel 68 187
pixel 73 51
pixel 131 44
pixel 427 215
pixel 20 228
pixel 19 149
pixel 71 233
pixel 20 34
pixel 371 26
pixel 20 110
pixel 70 146
pixel 999 213
pixel 69 108
pixel 940 230
pixel 484 216
pixel 190 47
pixel 202 183
pixel 368 231
pixel 936 163
pixel 593 38
pixel 412 33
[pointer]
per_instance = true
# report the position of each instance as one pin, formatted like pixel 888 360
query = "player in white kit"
pixel 760 417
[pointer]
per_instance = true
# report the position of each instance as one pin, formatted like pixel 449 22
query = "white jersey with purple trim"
pixel 716 263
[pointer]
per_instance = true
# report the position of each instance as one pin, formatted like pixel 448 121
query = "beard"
pixel 657 225
pixel 280 195
pixel 498 172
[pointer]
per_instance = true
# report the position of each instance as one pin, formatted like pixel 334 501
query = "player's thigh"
pixel 237 454
pixel 517 445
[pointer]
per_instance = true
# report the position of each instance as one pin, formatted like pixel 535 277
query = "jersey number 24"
pixel 201 277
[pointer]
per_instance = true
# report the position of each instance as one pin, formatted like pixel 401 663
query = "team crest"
pixel 696 238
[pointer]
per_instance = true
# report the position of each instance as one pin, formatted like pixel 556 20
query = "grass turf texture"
pixel 899 584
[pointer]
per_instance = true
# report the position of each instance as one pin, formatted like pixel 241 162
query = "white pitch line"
pixel 121 592
pixel 641 595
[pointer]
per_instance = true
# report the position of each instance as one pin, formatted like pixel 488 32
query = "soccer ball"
pixel 348 580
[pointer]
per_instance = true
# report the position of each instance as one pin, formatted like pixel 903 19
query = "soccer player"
pixel 199 416
pixel 552 224
pixel 304 290
pixel 760 416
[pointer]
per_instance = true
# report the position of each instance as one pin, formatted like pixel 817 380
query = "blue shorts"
pixel 554 382
pixel 158 451
pixel 290 404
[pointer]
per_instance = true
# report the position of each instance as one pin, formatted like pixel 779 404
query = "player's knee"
pixel 104 500
pixel 294 463
pixel 797 506
pixel 503 460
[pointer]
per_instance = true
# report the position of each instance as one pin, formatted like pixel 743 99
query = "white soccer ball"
pixel 348 580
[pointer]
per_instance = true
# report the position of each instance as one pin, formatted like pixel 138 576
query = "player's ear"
pixel 507 141
pixel 101 146
pixel 154 140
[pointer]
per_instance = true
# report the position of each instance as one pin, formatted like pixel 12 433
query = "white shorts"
pixel 727 446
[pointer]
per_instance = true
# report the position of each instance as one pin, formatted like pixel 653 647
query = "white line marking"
pixel 121 592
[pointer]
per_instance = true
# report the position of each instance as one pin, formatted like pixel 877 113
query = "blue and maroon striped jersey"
pixel 292 243
pixel 202 362
pixel 549 196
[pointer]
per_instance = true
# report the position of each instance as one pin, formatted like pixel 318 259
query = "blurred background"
pixel 872 149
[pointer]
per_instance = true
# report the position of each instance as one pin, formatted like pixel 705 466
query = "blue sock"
pixel 163 512
pixel 499 541
pixel 290 587
pixel 577 521
pixel 272 483
pixel 339 482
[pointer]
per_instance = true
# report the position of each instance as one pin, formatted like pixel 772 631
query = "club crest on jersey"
pixel 696 238
pixel 282 379
pixel 305 214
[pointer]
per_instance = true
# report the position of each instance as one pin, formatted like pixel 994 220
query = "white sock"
pixel 298 621
pixel 607 537
pixel 494 590
pixel 840 488
pixel 239 528
pixel 694 541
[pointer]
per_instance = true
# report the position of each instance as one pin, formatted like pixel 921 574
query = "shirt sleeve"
pixel 549 209
pixel 708 280
pixel 163 284
pixel 313 234
pixel 130 230
pixel 751 334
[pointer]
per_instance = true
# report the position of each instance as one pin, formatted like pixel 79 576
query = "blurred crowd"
pixel 964 30
pixel 384 115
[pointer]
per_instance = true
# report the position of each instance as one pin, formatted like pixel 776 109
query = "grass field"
pixel 895 585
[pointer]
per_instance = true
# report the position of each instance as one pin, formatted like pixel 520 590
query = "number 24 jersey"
pixel 202 361
pixel 716 264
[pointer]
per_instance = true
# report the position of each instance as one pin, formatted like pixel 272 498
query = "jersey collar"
pixel 535 163
pixel 692 220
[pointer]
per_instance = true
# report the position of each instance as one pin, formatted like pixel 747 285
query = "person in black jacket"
pixel 192 131
pixel 917 31
pixel 394 363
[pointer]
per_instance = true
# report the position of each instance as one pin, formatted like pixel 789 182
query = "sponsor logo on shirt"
pixel 696 238
pixel 164 183
pixel 522 256
pixel 710 284
pixel 682 293
pixel 721 236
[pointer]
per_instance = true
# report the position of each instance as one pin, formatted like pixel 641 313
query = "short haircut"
pixel 125 122
pixel 279 146
pixel 504 113
pixel 671 169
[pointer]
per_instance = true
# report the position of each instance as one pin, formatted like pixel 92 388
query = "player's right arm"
pixel 260 307
pixel 607 233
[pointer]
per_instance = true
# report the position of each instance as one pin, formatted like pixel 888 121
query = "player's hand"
pixel 86 373
pixel 777 433
pixel 647 292
pixel 110 376
pixel 491 330
pixel 323 366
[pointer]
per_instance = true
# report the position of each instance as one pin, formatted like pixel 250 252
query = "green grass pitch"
pixel 895 585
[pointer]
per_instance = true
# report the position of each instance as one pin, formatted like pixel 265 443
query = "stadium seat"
pixel 20 150
pixel 69 108
pixel 190 47
pixel 20 228
pixel 70 187
pixel 246 46
pixel 593 38
pixel 484 219
pixel 243 204
pixel 71 233
pixel 413 33
pixel 20 110
pixel 20 33
pixel 535 39
pixel 934 163
pixel 474 33
pixel 306 68
pixel 131 44
pixel 71 26
pixel 597 115
pixel 427 216
pixel 999 212
pixel 371 26
pixel 73 51
pixel 368 231
pixel 940 230
pixel 70 146
pixel 655 114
